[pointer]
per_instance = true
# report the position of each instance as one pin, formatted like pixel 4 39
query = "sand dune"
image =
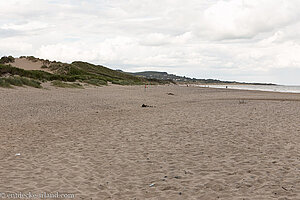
pixel 199 143
pixel 26 64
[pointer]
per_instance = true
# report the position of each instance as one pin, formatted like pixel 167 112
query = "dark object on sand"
pixel 242 101
pixel 170 93
pixel 146 106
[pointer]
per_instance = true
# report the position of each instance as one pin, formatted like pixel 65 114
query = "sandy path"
pixel 201 143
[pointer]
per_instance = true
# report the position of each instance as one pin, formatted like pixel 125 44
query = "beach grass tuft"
pixel 8 82
pixel 66 85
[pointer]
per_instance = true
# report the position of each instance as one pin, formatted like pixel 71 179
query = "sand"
pixel 26 64
pixel 200 143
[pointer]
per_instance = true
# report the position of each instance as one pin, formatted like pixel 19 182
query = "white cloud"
pixel 245 19
pixel 155 39
pixel 225 39
pixel 30 26
pixel 15 46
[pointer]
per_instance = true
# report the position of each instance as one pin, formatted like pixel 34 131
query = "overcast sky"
pixel 242 40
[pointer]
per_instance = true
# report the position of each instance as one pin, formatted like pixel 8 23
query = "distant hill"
pixel 183 79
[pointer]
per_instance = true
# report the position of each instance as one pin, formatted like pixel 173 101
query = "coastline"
pixel 264 88
pixel 200 143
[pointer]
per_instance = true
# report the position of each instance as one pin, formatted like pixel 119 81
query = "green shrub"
pixel 6 59
pixel 32 58
pixel 46 62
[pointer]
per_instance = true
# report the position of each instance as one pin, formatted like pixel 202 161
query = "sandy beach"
pixel 200 143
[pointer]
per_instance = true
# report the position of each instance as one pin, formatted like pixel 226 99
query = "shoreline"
pixel 248 88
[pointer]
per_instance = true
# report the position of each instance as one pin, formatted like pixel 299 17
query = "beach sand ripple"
pixel 200 143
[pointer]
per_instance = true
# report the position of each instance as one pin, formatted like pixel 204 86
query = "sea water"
pixel 270 88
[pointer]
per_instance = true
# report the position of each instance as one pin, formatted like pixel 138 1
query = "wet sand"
pixel 200 143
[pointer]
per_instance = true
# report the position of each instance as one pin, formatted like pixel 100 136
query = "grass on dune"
pixel 34 74
pixel 19 81
pixel 66 85
pixel 96 82
pixel 4 83
pixel 99 70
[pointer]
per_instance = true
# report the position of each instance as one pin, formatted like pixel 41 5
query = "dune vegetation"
pixel 79 72
pixel 8 82
pixel 66 85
